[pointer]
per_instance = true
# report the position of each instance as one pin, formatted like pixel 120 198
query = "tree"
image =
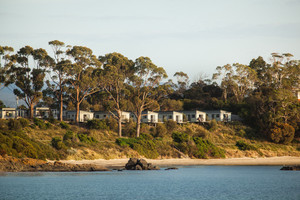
pixel 182 84
pixel 29 77
pixel 237 79
pixel 82 75
pixel 145 87
pixel 116 73
pixel 57 86
pixel 6 62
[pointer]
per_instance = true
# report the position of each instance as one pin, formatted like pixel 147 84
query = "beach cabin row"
pixel 194 116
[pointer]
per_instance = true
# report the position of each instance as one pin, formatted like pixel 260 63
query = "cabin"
pixel 42 112
pixel 84 116
pixel 195 116
pixel 218 115
pixel 170 115
pixel 55 113
pixel 8 113
pixel 147 117
pixel 105 114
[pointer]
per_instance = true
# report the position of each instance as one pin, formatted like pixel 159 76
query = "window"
pixel 218 115
pixel 145 117
pixel 193 116
pixel 170 116
pixel 97 116
pixel 213 116
pixel 104 115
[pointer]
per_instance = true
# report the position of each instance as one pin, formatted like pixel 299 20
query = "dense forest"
pixel 73 78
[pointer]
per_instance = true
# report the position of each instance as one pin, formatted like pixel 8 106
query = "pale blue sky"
pixel 194 36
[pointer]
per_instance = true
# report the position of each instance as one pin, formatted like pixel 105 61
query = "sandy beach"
pixel 281 161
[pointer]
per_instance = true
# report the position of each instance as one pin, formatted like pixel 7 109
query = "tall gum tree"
pixel 29 75
pixel 117 70
pixel 145 87
pixel 58 74
pixel 6 63
pixel 81 72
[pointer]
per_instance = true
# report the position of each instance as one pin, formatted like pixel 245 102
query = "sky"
pixel 193 36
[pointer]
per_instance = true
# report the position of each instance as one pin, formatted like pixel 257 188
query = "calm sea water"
pixel 201 182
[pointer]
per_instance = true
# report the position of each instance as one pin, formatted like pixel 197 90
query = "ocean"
pixel 186 183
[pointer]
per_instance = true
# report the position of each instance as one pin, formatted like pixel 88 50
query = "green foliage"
pixel 144 145
pixel 282 133
pixel 129 129
pixel 171 125
pixel 86 139
pixel 180 137
pixel 24 122
pixel 57 143
pixel 97 124
pixel 14 124
pixel 196 146
pixel 160 130
pixel 244 146
pixel 112 123
pixel 18 144
pixel 213 125
pixel 41 124
pixel 64 125
pixel 68 136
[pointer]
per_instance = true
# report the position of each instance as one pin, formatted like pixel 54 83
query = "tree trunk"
pixel 61 108
pixel 31 111
pixel 138 125
pixel 77 113
pixel 120 126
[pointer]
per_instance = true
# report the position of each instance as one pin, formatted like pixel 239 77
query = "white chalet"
pixel 218 115
pixel 170 115
pixel 195 115
pixel 105 114
pixel 83 115
pixel 147 117
pixel 8 113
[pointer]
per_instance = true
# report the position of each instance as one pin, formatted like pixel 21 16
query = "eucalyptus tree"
pixel 145 87
pixel 82 74
pixel 117 71
pixel 182 83
pixel 237 79
pixel 58 75
pixel 29 73
pixel 6 62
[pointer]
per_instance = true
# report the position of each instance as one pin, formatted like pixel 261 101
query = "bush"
pixel 86 139
pixel 129 129
pixel 180 137
pixel 68 136
pixel 213 125
pixel 24 122
pixel 171 125
pixel 207 149
pixel 282 133
pixel 41 124
pixel 14 124
pixel 57 143
pixel 244 146
pixel 97 124
pixel 112 123
pixel 160 130
pixel 64 125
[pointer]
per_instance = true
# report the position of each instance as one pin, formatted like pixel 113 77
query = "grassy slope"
pixel 104 143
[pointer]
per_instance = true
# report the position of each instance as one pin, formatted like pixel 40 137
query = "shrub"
pixel 160 130
pixel 207 149
pixel 112 123
pixel 129 129
pixel 97 124
pixel 40 123
pixel 282 133
pixel 244 146
pixel 24 122
pixel 57 143
pixel 180 137
pixel 14 124
pixel 64 125
pixel 68 136
pixel 171 125
pixel 86 139
pixel 212 125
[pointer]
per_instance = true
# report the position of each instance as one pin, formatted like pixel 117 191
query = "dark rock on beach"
pixel 11 164
pixel 172 168
pixel 292 168
pixel 139 164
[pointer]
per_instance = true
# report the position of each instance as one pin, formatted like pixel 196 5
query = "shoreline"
pixel 245 161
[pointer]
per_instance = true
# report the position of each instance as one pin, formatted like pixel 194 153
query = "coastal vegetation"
pixel 262 95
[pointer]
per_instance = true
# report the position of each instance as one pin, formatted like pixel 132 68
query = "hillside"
pixel 98 140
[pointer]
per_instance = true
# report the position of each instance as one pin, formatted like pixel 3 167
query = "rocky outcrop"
pixel 139 164
pixel 11 164
pixel 292 168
